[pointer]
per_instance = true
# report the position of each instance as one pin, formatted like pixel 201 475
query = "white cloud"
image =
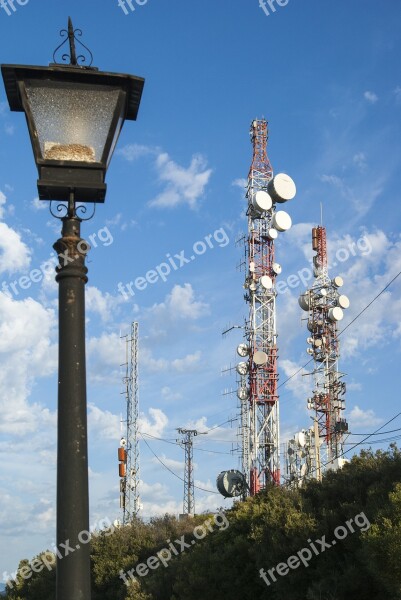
pixel 103 424
pixel 105 355
pixel 175 465
pixel 213 430
pixel 26 352
pixel 154 424
pixel 132 152
pixel 359 418
pixel 103 304
pixel 179 304
pixel 299 385
pixel 188 363
pixel 370 97
pixel 170 396
pixel 39 204
pixel 361 194
pixel 14 254
pixel 241 183
pixel 184 185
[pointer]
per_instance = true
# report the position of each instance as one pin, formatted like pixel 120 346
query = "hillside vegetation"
pixel 360 504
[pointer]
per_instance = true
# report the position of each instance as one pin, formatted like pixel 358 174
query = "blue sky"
pixel 326 76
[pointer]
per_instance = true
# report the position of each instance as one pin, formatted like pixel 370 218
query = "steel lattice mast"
pixel 129 450
pixel 321 447
pixel 325 305
pixel 260 421
pixel 187 442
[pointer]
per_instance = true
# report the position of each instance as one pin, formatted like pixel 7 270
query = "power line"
pixel 370 303
pixel 217 426
pixel 382 433
pixel 173 473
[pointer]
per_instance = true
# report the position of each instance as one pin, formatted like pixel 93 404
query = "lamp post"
pixel 74 114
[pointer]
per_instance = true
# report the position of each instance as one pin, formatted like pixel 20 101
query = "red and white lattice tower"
pixel 325 304
pixel 258 391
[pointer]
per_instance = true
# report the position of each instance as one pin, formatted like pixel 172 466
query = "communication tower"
pixel 128 452
pixel 325 305
pixel 257 391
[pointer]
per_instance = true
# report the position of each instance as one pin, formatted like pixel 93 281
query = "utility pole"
pixel 187 442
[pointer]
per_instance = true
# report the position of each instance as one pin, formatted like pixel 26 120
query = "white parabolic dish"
pixel 343 301
pixel 260 358
pixel 338 281
pixel 282 221
pixel 336 314
pixel 282 188
pixel 243 350
pixel 261 201
pixel 266 282
pixel 303 301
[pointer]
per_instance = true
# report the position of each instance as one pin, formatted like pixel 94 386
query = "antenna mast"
pixel 325 305
pixel 264 224
pixel 258 376
pixel 128 453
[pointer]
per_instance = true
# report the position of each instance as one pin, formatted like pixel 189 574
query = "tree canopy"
pixel 362 503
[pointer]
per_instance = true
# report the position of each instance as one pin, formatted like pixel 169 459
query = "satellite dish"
pixel 266 282
pixel 243 393
pixel 277 268
pixel 282 221
pixel 309 340
pixel 123 442
pixel 335 314
pixel 304 468
pixel 300 439
pixel 272 234
pixel 343 301
pixel 261 201
pixel 304 301
pixel 252 267
pixel 231 484
pixel 260 358
pixel 243 350
pixel 338 282
pixel 242 368
pixel 282 188
pixel 318 342
pixel 323 292
pixel 309 351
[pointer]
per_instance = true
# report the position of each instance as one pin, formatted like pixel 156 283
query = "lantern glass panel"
pixel 72 122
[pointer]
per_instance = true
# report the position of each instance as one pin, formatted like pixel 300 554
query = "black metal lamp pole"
pixel 75 114
pixel 73 567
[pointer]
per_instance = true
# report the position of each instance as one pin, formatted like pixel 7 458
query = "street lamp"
pixel 74 115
